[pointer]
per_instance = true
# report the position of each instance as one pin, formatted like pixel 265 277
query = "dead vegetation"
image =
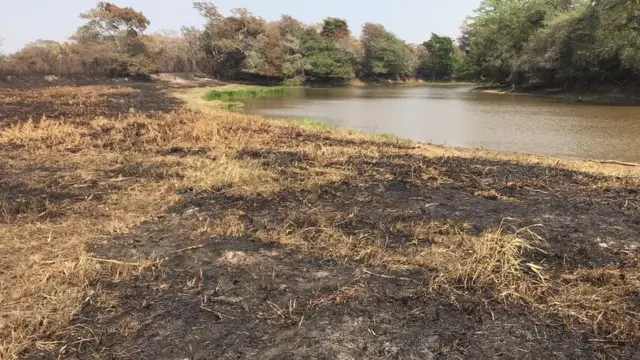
pixel 74 102
pixel 498 229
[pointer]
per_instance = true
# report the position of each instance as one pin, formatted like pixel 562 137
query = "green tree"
pixel 385 55
pixel 324 60
pixel 462 68
pixel 335 28
pixel 498 33
pixel 618 33
pixel 560 53
pixel 292 61
pixel 440 61
pixel 569 43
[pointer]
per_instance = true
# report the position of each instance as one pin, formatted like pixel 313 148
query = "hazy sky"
pixel 23 21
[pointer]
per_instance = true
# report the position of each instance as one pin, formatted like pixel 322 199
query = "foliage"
pixel 235 46
pixel 440 61
pixel 229 41
pixel 335 29
pixel 568 43
pixel 385 55
pixel 324 58
pixel 462 68
pixel 111 43
pixel 108 21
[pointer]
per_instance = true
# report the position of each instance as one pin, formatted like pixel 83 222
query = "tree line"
pixel 555 43
pixel 239 45
pixel 546 43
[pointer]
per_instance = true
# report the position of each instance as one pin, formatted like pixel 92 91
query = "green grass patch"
pixel 242 93
pixel 389 136
pixel 313 124
pixel 394 138
pixel 232 105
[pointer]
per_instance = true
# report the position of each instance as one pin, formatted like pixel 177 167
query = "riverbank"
pixel 596 97
pixel 201 233
pixel 186 79
pixel 408 82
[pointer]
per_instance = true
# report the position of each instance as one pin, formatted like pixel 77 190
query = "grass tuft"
pixel 245 92
pixel 313 124
pixel 493 264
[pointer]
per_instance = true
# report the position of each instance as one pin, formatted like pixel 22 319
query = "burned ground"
pixel 237 298
pixel 80 100
pixel 202 236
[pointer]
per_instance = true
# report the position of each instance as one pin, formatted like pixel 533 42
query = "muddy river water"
pixel 458 116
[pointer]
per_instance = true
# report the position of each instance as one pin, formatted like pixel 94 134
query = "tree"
pixel 324 60
pixel 569 43
pixel 110 22
pixel 335 28
pixel 464 40
pixel 498 33
pixel 385 55
pixel 618 33
pixel 292 62
pixel 277 51
pixel 462 68
pixel 195 49
pixel 229 41
pixel 440 61
pixel 111 41
pixel 208 10
pixel 267 56
pixel 168 49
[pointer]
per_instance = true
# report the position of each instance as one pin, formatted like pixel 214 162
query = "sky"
pixel 25 21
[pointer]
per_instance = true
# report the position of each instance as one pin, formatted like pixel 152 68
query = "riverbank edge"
pixel 195 99
pixel 408 82
pixel 612 97
pixel 195 79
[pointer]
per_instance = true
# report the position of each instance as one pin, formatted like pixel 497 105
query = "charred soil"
pixel 212 235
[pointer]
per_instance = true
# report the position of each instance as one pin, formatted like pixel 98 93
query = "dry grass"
pixel 493 263
pixel 69 184
pixel 601 298
pixel 45 134
pixel 64 95
pixel 64 101
pixel 493 267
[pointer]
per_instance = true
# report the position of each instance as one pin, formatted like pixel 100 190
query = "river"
pixel 458 116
